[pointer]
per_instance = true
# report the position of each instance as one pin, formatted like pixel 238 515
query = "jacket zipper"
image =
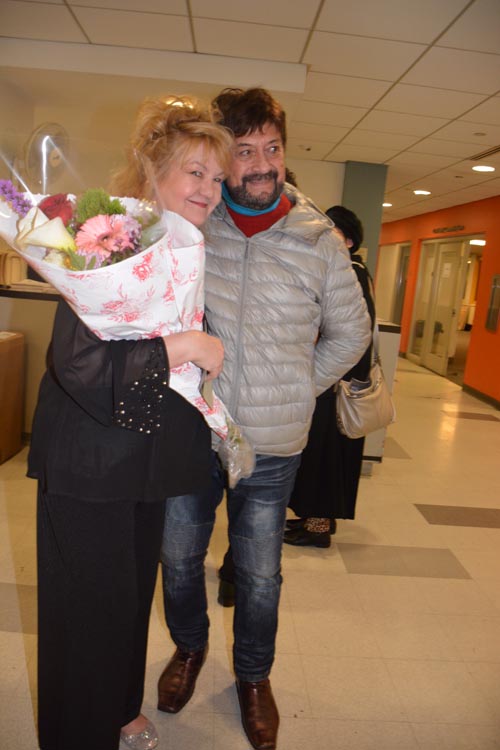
pixel 239 328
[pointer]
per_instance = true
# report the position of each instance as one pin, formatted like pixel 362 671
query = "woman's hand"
pixel 198 347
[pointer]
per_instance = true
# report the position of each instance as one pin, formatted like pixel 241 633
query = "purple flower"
pixel 17 201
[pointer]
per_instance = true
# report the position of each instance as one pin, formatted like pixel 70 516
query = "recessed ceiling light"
pixel 482 243
pixel 386 205
pixel 422 192
pixel 483 168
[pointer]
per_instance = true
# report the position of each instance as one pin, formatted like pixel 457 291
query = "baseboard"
pixel 482 396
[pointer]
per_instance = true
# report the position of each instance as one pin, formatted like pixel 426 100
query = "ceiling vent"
pixel 485 154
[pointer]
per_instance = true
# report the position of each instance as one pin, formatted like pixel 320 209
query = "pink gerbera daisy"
pixel 103 235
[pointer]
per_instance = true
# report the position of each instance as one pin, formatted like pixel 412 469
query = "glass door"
pixel 422 300
pixel 437 303
pixel 442 318
pixel 401 279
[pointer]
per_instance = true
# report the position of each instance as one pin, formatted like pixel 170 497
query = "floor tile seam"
pixel 300 656
pixel 447 636
pixel 434 722
pixel 398 691
pixel 470 616
pixel 426 659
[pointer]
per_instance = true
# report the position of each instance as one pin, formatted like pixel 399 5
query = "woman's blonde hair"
pixel 167 129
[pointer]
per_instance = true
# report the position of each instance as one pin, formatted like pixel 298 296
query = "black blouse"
pixel 107 425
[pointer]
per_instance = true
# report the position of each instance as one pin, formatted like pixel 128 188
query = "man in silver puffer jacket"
pixel 284 300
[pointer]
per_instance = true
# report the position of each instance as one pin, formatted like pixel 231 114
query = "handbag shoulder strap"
pixel 375 332
pixel 375 347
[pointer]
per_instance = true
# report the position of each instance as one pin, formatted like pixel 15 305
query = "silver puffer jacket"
pixel 268 298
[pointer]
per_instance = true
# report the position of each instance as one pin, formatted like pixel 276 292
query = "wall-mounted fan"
pixel 44 156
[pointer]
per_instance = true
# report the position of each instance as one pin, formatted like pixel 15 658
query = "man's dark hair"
pixel 291 177
pixel 247 110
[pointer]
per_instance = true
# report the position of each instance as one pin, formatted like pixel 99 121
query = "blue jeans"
pixel 256 510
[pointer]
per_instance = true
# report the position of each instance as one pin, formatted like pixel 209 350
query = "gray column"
pixel 364 188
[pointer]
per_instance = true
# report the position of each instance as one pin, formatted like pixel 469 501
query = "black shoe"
pixel 298 523
pixel 294 523
pixel 301 537
pixel 226 593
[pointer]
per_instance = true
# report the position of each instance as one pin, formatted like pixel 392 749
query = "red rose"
pixel 57 205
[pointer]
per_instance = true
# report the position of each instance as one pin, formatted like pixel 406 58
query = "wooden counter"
pixel 31 314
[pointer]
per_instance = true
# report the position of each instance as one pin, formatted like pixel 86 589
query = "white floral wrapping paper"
pixel 157 292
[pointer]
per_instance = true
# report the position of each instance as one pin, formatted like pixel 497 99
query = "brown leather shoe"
pixel 259 713
pixel 177 681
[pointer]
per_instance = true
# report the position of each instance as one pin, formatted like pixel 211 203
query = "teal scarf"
pixel 243 209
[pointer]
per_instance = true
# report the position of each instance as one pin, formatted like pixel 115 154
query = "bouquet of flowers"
pixel 127 270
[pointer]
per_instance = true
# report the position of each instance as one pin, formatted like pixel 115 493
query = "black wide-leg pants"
pixel 97 566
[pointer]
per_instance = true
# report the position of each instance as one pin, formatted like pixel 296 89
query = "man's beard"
pixel 242 197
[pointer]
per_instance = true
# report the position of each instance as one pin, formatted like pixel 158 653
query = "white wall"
pixel 17 121
pixel 322 181
pixel 385 280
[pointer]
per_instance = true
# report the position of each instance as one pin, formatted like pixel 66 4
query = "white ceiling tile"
pixel 346 152
pixel 360 56
pixel 326 133
pixel 129 29
pixel 277 13
pixel 462 130
pixel 405 20
pixel 492 187
pixel 361 92
pixel 426 162
pixel 405 197
pixel 477 29
pixel 464 167
pixel 487 113
pixel 394 141
pixel 397 122
pixel 249 40
pixel 38 21
pixel 298 149
pixel 171 7
pixel 428 101
pixel 328 114
pixel 402 196
pixel 444 181
pixel 444 148
pixel 458 70
pixel 401 174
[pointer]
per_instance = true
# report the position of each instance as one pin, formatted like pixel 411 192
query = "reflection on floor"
pixel 389 640
pixel 456 365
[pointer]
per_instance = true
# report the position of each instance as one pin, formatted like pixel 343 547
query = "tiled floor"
pixel 389 640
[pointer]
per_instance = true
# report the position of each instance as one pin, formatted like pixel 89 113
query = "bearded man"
pixel 284 300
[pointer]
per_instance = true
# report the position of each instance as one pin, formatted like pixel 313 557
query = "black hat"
pixel 349 225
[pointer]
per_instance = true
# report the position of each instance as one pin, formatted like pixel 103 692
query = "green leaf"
pixel 77 261
pixel 96 201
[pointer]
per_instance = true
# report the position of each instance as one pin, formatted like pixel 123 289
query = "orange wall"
pixel 483 360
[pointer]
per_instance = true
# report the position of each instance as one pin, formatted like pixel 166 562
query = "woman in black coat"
pixel 326 484
pixel 110 442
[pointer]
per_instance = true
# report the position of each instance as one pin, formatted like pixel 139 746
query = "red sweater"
pixel 251 225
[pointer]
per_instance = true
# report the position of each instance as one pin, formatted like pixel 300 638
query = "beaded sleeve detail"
pixel 140 404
